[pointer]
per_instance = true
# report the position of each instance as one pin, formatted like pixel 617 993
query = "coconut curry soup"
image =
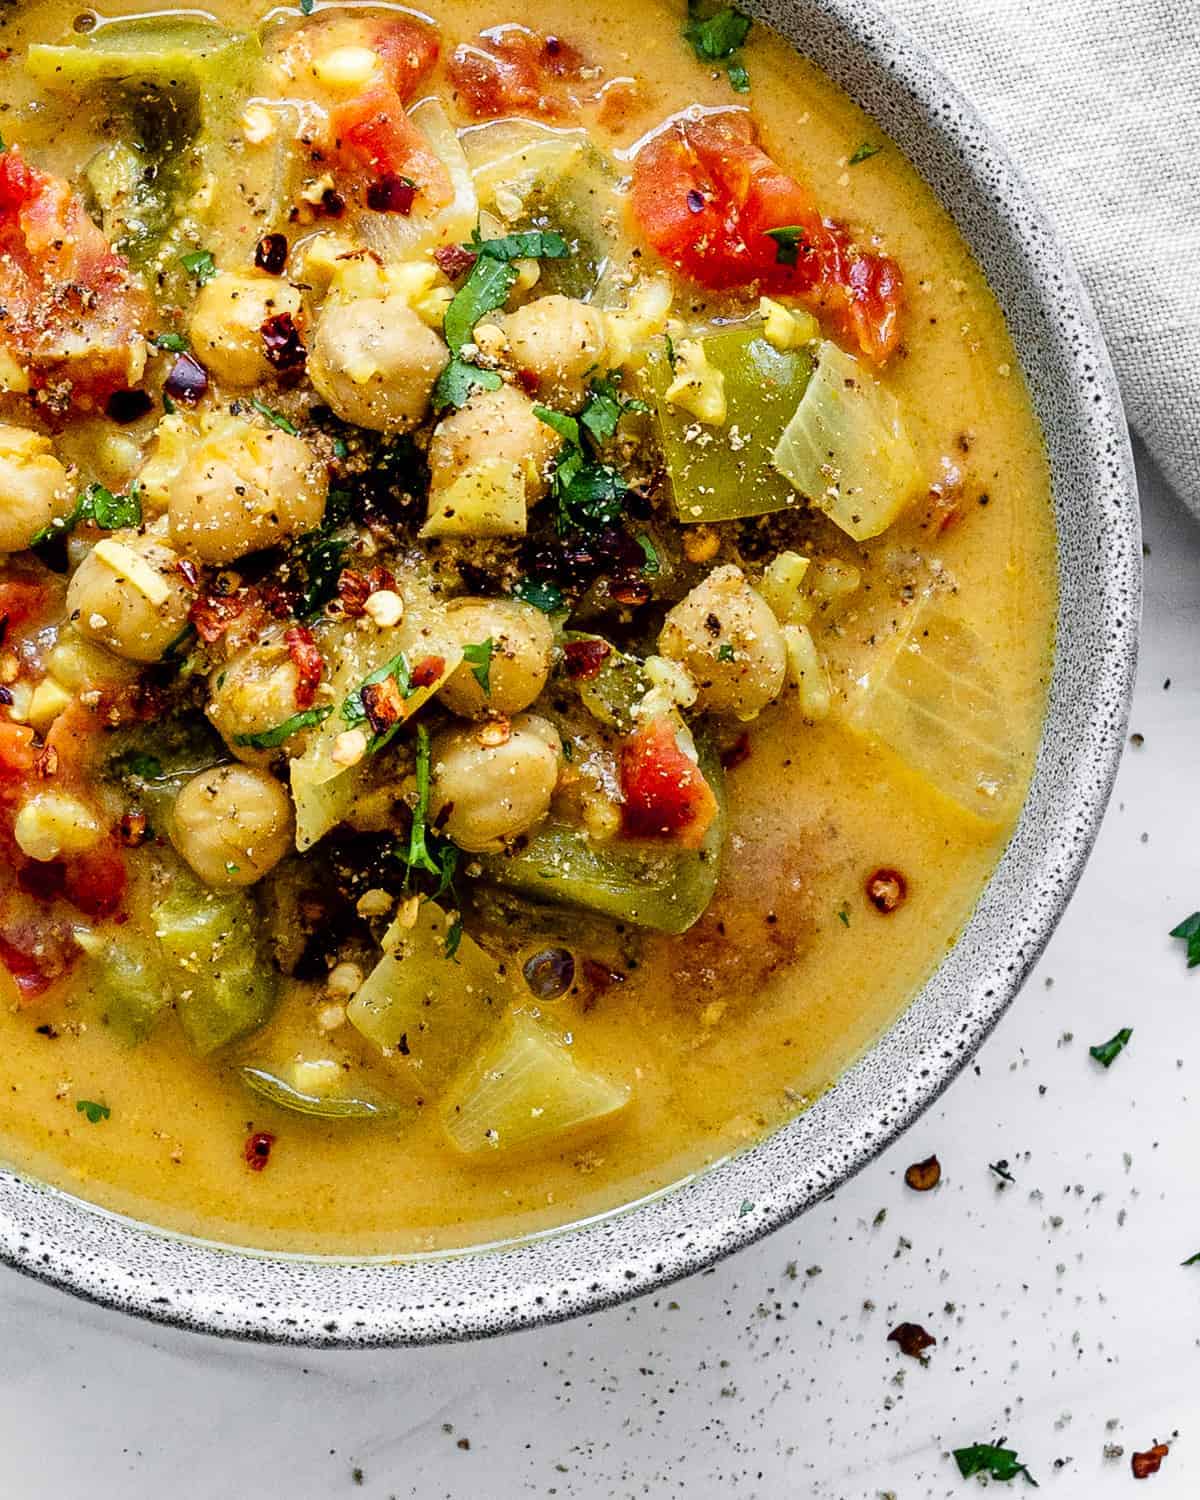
pixel 527 597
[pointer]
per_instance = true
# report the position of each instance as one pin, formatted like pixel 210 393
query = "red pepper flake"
pixel 45 763
pixel 355 588
pixel 382 703
pixel 454 260
pixel 427 671
pixel 213 614
pixel 187 381
pixel 886 890
pixel 333 205
pixel 1145 1464
pixel 633 591
pixel 391 194
pixel 284 347
pixel 527 381
pixel 737 754
pixel 131 830
pixel 924 1175
pixel 188 571
pixel 308 662
pixel 599 978
pixel 585 659
pixel 257 1150
pixel 271 253
pixel 913 1340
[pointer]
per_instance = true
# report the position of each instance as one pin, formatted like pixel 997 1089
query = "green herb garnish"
pixel 1192 1260
pixel 173 343
pixel 1108 1052
pixel 276 418
pixel 200 265
pixel 1189 930
pixel 843 911
pixel 789 239
pixel 354 711
pixel 603 408
pixel 864 153
pixel 479 658
pixel 716 37
pixel 99 506
pixel 457 382
pixel 992 1459
pixel 485 289
pixel 418 856
pixel 95 1112
pixel 671 361
pixel 529 244
pixel 543 595
pixel 1001 1170
pixel 590 495
pixel 271 739
pixel 651 567
pixel 725 653
pixel 139 765
pixel 306 7
pixel 454 935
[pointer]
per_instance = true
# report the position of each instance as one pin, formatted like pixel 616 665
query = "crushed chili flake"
pixel 1145 1464
pixel 308 662
pixel 391 194
pixel 355 588
pixel 383 704
pixel 46 762
pixel 924 1175
pixel 886 890
pixel 737 754
pixel 187 380
pixel 599 978
pixel 427 671
pixel 257 1150
pixel 188 571
pixel 912 1339
pixel 283 345
pixel 527 381
pixel 213 614
pixel 454 260
pixel 332 205
pixel 584 659
pixel 131 830
pixel 271 253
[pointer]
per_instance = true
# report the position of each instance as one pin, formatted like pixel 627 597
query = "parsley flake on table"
pixel 1189 931
pixel 993 1459
pixel 1106 1053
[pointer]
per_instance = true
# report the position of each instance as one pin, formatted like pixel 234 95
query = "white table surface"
pixel 1062 1314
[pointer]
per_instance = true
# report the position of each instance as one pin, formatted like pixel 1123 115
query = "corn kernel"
pixel 47 701
pixel 698 387
pixel 345 67
pixel 51 824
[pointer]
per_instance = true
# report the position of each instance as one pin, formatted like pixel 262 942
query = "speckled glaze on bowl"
pixel 303 1300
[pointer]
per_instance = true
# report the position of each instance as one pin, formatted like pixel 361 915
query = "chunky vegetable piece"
pixel 707 197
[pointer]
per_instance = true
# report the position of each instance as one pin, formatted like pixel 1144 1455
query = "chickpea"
pixel 521 639
pixel 232 824
pixel 484 795
pixel 253 691
pixel 376 363
pixel 128 594
pixel 559 340
pixel 726 636
pixel 244 487
pixel 227 320
pixel 499 425
pixel 34 488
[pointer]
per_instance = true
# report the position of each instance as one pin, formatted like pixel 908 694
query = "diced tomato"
pixel 308 662
pixel 666 795
pixel 408 51
pixel 73 316
pixel 95 881
pixel 17 754
pixel 21 599
pixel 705 194
pixel 36 951
pixel 374 137
pixel 512 70
pixel 213 614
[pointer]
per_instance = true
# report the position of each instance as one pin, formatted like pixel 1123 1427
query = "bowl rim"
pixel 310 1301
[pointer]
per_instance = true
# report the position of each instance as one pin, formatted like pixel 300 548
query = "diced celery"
pixel 128 984
pixel 525 1089
pixel 278 1090
pixel 515 160
pixel 427 1002
pixel 932 699
pixel 222 983
pixel 720 473
pixel 847 448
pixel 647 884
pixel 611 694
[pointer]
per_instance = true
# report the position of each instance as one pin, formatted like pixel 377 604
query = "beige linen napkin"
pixel 1099 104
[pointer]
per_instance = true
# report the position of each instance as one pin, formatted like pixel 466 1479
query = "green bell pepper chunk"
pixel 620 683
pixel 222 983
pixel 727 472
pixel 277 1091
pixel 129 987
pixel 641 882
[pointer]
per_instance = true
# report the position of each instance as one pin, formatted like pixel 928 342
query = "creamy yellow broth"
pixel 727 1031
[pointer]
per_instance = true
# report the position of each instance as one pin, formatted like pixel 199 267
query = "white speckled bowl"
pixel 313 1301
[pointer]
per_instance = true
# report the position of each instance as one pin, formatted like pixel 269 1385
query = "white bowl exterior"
pixel 297 1299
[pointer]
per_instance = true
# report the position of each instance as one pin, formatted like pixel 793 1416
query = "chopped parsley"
pixel 418 856
pixel 355 710
pixel 843 910
pixel 485 289
pixel 276 418
pixel 590 495
pixel 864 153
pixel 725 653
pixel 138 765
pixel 1189 931
pixel 717 37
pixel 671 361
pixel 789 239
pixel 479 658
pixel 271 739
pixel 322 557
pixel 457 382
pixel 94 1112
pixel 529 244
pixel 651 567
pixel 200 265
pixel 173 343
pixel 99 506
pixel 992 1459
pixel 603 408
pixel 542 594
pixel 306 7
pixel 1108 1052
pixel 454 935
pixel 1001 1170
